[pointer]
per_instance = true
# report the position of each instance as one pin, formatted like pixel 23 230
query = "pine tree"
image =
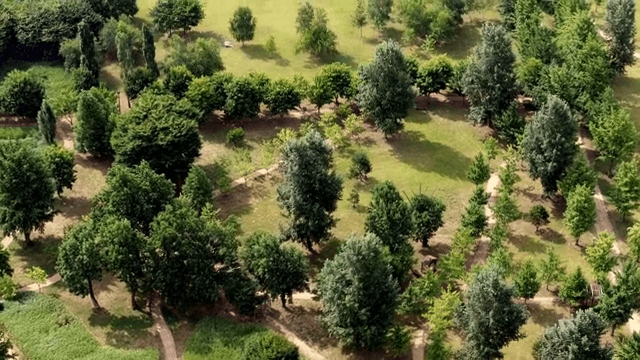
pixel 575 288
pixel 526 281
pixel 479 171
pixel 149 50
pixel 47 123
pixel 620 300
pixel 627 347
pixel 620 28
pixel 88 49
pixel 506 209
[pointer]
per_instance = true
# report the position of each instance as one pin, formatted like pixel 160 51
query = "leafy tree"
pixel 137 81
pixel 320 91
pixel 149 51
pixel 242 25
pixel 360 166
pixel 317 38
pixel 549 143
pixel 161 131
pixel 620 301
pixel 627 347
pixel 479 171
pixel 243 98
pixel 437 349
pixel 340 79
pixel 532 38
pixel 281 269
pixel 80 261
pixel 385 88
pixel 526 281
pixel 508 176
pixel 21 93
pixel 626 190
pixel 170 15
pixel 539 216
pixel 434 74
pixel 94 126
pixel 282 97
pixel 620 29
pixel 310 191
pixel 578 173
pixel 359 17
pixel 235 137
pixel 633 241
pixel 198 189
pixel 599 254
pixel 474 219
pixel 61 162
pixel 614 136
pixel 126 36
pixel 270 45
pixel 208 93
pixel 551 271
pixel 114 8
pixel 88 49
pixel 456 83
pixel 506 209
pixel 432 21
pixel 355 284
pixel 380 12
pixel 577 337
pixel 201 57
pixel 581 212
pixel 177 80
pixel 426 216
pixel 306 14
pixel 47 123
pixel 82 77
pixel 510 125
pixel 575 288
pixel 491 148
pixel 37 275
pixel 5 264
pixel 507 10
pixel 26 190
pixel 262 83
pixel 136 194
pixel 420 295
pixel 489 318
pixel 490 81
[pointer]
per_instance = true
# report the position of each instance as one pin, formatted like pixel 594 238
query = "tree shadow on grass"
pixel 327 251
pixel 527 244
pixel 388 33
pixel 548 234
pixel 124 332
pixel 258 51
pixel 195 35
pixel 412 148
pixel 314 61
pixel 461 44
pixel 42 253
pixel 544 316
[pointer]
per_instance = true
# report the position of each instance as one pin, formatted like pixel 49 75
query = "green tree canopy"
pixel 282 97
pixel 242 24
pixel 599 254
pixel 627 347
pixel 95 124
pixel 149 50
pixel 580 215
pixel 380 12
pixel 479 171
pixel 171 15
pixel 243 98
pixel 578 173
pixel 620 301
pixel 317 39
pixel 620 27
pixel 47 123
pixel 574 288
pixel 626 189
pixel 198 188
pixel 61 162
pixel 340 78
pixel 526 281
pixel 426 216
pixel 201 57
pixel 21 93
pixel 551 270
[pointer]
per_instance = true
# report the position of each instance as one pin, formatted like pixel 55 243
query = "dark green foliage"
pixel 70 51
pixel 320 91
pixel 79 261
pixel 626 189
pixel 243 98
pixel 26 190
pixel 385 88
pixel 456 83
pixel 627 347
pixel 149 50
pixel 574 288
pixel 354 198
pixel 479 171
pixel 177 80
pixel 61 162
pixel 269 346
pixel 126 37
pixel 137 81
pixel 316 37
pixel 507 10
pixel 526 281
pixel 580 215
pixel 575 338
pixel 620 301
pixel 340 79
pixel 578 173
pixel 88 49
pixel 83 79
pixel 480 196
pixel 208 93
pixel 489 318
pixel 161 131
pixel 426 216
pixel 360 166
pixel 531 73
pixel 171 15
pixel 532 38
pixel 434 75
pixel 282 97
pixel 240 288
pixel 114 8
pixel 262 82
pixel 6 32
pixel 510 124
pixel 280 269
pixel 311 189
pixel 136 194
pixel 235 137
pixel 21 93
pixel 620 28
pixel 201 57
pixel 94 125
pixel 47 123
pixel 565 9
pixel 355 284
pixel 490 82
pixel 198 189
pixel 474 219
pixel 506 209
pixel 380 12
pixel 549 143
pixel 242 24
pixel 5 265
pixel 539 216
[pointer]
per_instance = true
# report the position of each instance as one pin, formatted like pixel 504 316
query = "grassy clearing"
pixel 56 78
pixel 18 132
pixel 43 329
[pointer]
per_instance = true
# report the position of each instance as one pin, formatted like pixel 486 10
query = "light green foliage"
pixel 431 20
pixel 340 78
pixel 479 171
pixel 65 103
pixel 419 297
pixel 320 91
pixel 440 314
pixel 270 346
pixel 282 97
pixel 633 241
pixel 474 219
pixel 380 12
pixel 620 301
pixel 37 275
pixel 242 24
pixel 532 37
pixel 243 98
pixel 480 196
pixel 61 162
pixel 539 216
pixel 501 258
pixel 456 83
pixel 506 208
pixel 508 176
pixel 358 282
pixel 95 123
pixel 498 234
pixel 627 347
pixel 526 280
pixel 270 45
pixel 47 123
pixel 614 136
pixel 626 189
pixel 353 125
pixel 434 74
pixel 437 349
pixel 359 16
pixel 574 288
pixel 198 189
pixel 208 93
pixel 510 125
pixel 491 148
pixel 398 341
pixel 315 36
pixel 578 173
pixel 171 15
pixel 201 57
pixel 599 254
pixel 8 288
pixel 581 211
pixel 551 270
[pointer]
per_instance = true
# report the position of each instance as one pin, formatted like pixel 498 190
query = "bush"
pixel 243 98
pixel 455 80
pixel 434 75
pixel 138 80
pixel 21 93
pixel 235 136
pixel 61 162
pixel 178 80
pixel 360 166
pixel 208 93
pixel 282 97
pixel 83 79
pixel 269 346
pixel 201 57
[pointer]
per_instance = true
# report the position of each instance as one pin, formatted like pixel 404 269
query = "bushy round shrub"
pixel 270 346
pixel 235 136
pixel 21 93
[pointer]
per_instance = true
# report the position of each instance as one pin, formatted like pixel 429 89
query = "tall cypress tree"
pixel 149 51
pixel 88 48
pixel 47 123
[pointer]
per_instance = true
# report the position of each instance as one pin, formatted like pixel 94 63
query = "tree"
pixel 360 166
pixel 311 189
pixel 243 98
pixel 242 25
pixel 539 216
pixel 614 136
pixel 279 268
pixel 47 123
pixel 479 171
pixel 26 190
pixel 359 17
pixel 474 219
pixel 385 88
pixel 490 82
pixel 506 209
pixel 578 173
pixel 88 49
pixel 620 29
pixel 198 189
pixel 551 271
pixel 627 347
pixel 94 122
pixel 37 275
pixel 633 241
pixel 79 261
pixel 491 147
pixel 549 143
pixel 380 12
pixel 340 79
pixel 434 74
pixel 161 131
pixel 575 288
pixel 489 318
pixel 82 77
pixel 620 301
pixel 149 51
pixel 431 21
pixel 136 194
pixel 282 97
pixel 21 93
pixel 510 125
pixel 208 94
pixel 137 81
pixel 355 284
pixel 170 15
pixel 599 254
pixel 61 162
pixel 626 189
pixel 317 38
pixel 531 36
pixel 526 281
pixel 581 212
pixel 507 10
pixel 201 57
pixel 177 81
pixel 480 196
pixel 320 92
pixel 126 36
pixel 306 14
pixel 114 8
pixel 420 295
pixel 270 46
pixel 426 216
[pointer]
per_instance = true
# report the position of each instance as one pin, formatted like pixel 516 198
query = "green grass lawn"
pixel 56 78
pixel 18 132
pixel 43 329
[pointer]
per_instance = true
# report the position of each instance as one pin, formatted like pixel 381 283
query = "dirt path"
pixel 169 351
pixel 306 350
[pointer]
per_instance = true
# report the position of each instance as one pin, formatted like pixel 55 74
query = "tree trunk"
pixel 525 301
pixel 425 242
pixel 611 169
pixel 94 301
pixel 134 303
pixel 337 100
pixel 284 300
pixel 577 241
pixel 613 329
pixel 27 238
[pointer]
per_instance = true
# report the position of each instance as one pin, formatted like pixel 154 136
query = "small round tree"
pixel 61 162
pixel 426 215
pixel 575 288
pixel 340 77
pixel 242 25
pixel 360 166
pixel 21 93
pixel 581 212
pixel 177 80
pixel 243 98
pixel 282 97
pixel 526 281
pixel 539 216
pixel 551 271
pixel 198 189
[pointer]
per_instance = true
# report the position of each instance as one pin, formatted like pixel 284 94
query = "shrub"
pixel 178 80
pixel 235 136
pixel 269 346
pixel 201 57
pixel 434 75
pixel 360 166
pixel 243 98
pixel 83 79
pixel 61 162
pixel 21 93
pixel 138 80
pixel 281 97
pixel 208 93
